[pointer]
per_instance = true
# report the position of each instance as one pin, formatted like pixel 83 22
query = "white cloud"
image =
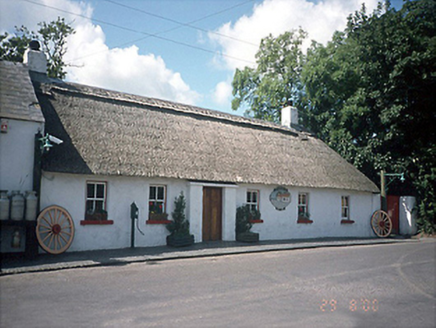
pixel 121 69
pixel 319 19
pixel 16 13
pixel 222 93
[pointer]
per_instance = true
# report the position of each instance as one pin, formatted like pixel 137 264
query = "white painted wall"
pixel 69 191
pixel 16 155
pixel 325 211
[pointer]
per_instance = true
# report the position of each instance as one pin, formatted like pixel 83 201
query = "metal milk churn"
pixel 17 207
pixel 4 206
pixel 31 205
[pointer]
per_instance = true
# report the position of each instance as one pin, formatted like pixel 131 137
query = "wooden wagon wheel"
pixel 381 223
pixel 54 229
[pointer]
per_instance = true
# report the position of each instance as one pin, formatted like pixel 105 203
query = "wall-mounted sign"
pixel 280 198
pixel 4 125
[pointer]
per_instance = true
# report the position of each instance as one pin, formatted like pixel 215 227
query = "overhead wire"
pixel 181 23
pixel 166 31
pixel 140 32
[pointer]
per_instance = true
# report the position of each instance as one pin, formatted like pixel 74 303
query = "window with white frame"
pixel 253 200
pixel 95 197
pixel 345 207
pixel 157 200
pixel 303 205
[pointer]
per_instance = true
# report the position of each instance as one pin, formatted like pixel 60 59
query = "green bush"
pixel 179 225
pixel 243 217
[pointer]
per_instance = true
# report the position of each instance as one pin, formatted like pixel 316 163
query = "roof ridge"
pixel 167 105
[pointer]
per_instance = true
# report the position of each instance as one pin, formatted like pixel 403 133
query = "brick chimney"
pixel 289 116
pixel 35 59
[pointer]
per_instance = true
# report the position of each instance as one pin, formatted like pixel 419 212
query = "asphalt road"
pixel 365 286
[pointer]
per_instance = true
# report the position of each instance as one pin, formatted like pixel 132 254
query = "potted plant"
pixel 156 212
pixel 96 215
pixel 179 226
pixel 243 224
pixel 304 217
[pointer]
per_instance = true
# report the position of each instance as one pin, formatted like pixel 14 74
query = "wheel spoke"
pixel 44 226
pixel 63 220
pixel 50 241
pixel 63 238
pixel 58 217
pixel 49 223
pixel 51 218
pixel 49 234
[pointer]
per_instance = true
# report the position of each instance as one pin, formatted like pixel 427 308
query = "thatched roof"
pixel 17 97
pixel 113 133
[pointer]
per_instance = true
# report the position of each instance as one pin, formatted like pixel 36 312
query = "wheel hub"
pixel 56 229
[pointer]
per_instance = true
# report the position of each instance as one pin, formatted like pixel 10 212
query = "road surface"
pixel 390 285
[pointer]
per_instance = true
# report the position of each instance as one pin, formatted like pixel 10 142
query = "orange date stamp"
pixel 363 305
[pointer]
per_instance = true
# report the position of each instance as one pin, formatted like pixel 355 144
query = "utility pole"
pixel 384 204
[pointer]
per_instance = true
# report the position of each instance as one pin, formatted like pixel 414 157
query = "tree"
pixel 53 37
pixel 179 225
pixel 275 81
pixel 369 93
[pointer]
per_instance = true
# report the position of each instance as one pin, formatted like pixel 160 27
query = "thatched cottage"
pixel 120 148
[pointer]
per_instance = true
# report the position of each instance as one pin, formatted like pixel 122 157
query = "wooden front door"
pixel 212 211
pixel 393 204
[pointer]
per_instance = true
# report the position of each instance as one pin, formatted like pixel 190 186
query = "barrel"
pixel 4 206
pixel 17 207
pixel 31 205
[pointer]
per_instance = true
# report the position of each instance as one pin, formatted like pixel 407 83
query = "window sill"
pixel 255 221
pixel 96 222
pixel 347 221
pixel 158 221
pixel 304 221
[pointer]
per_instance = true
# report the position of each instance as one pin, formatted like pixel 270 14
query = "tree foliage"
pixel 369 93
pixel 53 38
pixel 179 225
pixel 275 82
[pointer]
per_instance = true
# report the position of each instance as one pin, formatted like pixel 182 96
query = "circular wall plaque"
pixel 280 198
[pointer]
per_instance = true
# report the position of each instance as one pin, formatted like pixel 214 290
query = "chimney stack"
pixel 289 116
pixel 35 58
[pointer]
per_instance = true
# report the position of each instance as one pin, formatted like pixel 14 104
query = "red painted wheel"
pixel 54 230
pixel 381 224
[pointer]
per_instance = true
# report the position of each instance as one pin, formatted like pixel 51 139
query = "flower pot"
pixel 248 237
pixel 96 217
pixel 158 216
pixel 180 240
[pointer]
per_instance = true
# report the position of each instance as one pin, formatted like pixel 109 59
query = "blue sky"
pixel 116 49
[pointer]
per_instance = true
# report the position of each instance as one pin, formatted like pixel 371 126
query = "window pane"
pixel 248 197
pixel 91 190
pixel 99 206
pixel 152 192
pixel 254 197
pixel 89 206
pixel 100 191
pixel 160 207
pixel 160 193
pixel 345 212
